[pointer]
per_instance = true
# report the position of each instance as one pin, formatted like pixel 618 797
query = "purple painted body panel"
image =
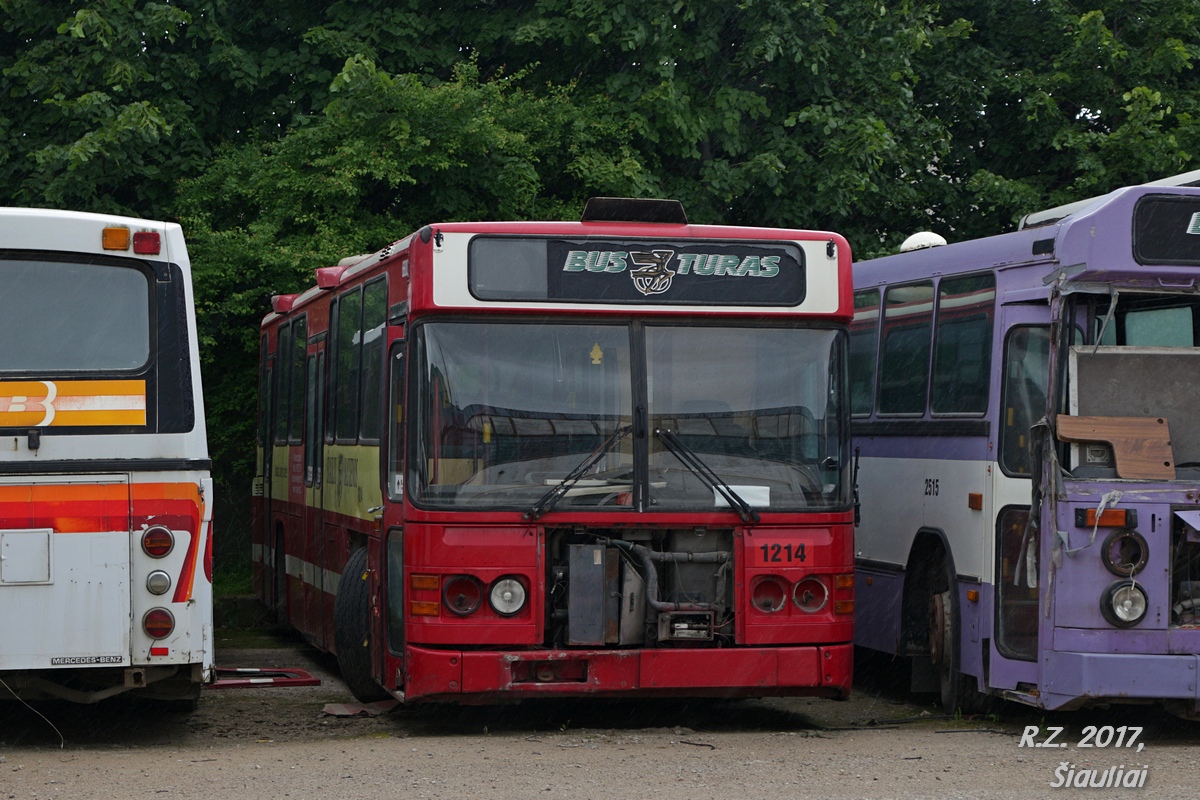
pixel 1081 657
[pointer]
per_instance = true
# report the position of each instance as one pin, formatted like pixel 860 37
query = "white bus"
pixel 105 489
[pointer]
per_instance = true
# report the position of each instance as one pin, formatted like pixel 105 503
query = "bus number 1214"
pixel 782 553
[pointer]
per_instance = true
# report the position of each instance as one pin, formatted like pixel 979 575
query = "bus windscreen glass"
pixel 72 317
pixel 506 410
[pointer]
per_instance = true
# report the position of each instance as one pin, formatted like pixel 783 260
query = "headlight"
pixel 1124 604
pixel 769 594
pixel 462 595
pixel 1124 553
pixel 810 595
pixel 507 596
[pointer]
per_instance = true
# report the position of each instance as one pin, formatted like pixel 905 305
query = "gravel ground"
pixel 280 742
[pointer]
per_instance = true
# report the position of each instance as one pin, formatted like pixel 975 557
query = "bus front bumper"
pixel 1074 680
pixel 820 671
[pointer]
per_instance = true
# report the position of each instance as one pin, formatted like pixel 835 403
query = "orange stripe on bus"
pixel 92 507
pixel 76 403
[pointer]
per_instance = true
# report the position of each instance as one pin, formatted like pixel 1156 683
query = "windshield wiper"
pixel 693 462
pixel 560 489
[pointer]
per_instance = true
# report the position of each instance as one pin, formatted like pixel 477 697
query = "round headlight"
pixel 1124 604
pixel 1124 553
pixel 769 594
pixel 507 596
pixel 462 595
pixel 810 595
pixel 158 582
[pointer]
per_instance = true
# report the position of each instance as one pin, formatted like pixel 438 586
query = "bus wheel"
pixel 959 693
pixel 352 632
pixel 942 650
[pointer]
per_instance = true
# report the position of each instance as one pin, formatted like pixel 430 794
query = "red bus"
pixel 606 457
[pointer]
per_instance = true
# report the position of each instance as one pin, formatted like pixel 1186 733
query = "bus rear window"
pixel 70 317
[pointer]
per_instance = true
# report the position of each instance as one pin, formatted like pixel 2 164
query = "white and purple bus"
pixel 1025 415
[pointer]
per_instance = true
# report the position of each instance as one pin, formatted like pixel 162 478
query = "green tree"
pixel 1050 101
pixel 796 113
pixel 388 154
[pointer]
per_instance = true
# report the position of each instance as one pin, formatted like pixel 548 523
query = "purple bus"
pixel 1027 421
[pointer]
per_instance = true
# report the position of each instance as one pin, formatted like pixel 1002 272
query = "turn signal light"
pixel 423 608
pixel 429 582
pixel 114 238
pixel 843 606
pixel 1109 518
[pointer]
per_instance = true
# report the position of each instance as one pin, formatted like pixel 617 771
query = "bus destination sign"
pixel 658 272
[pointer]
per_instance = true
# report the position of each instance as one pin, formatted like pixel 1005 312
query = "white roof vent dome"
pixel 922 240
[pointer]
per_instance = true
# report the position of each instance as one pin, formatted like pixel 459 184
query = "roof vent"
pixel 921 241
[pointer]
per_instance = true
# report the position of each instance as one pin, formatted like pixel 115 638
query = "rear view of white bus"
pixel 105 491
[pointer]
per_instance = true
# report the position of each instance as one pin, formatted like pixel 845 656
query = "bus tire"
pixel 959 693
pixel 352 630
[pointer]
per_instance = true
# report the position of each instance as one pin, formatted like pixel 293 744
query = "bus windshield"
pixel 504 411
pixel 72 317
pixel 1147 340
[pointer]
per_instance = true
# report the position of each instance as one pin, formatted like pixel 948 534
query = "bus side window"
pixel 905 349
pixel 347 366
pixel 374 330
pixel 962 358
pixel 283 371
pixel 1026 369
pixel 297 380
pixel 395 433
pixel 864 335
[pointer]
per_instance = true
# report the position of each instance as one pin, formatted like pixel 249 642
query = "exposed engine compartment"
pixel 639 587
pixel 1185 573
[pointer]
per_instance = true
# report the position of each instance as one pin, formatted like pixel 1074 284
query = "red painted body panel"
pixel 485 655
pixel 822 671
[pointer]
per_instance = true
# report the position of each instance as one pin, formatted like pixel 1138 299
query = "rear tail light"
pixel 462 595
pixel 769 594
pixel 810 595
pixel 147 243
pixel 157 541
pixel 507 596
pixel 158 623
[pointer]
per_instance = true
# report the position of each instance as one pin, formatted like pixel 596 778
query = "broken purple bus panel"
pixel 1025 415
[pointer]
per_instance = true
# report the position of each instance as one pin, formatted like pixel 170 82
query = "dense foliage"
pixel 285 135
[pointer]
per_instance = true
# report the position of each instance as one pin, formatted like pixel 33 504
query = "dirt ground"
pixel 244 744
